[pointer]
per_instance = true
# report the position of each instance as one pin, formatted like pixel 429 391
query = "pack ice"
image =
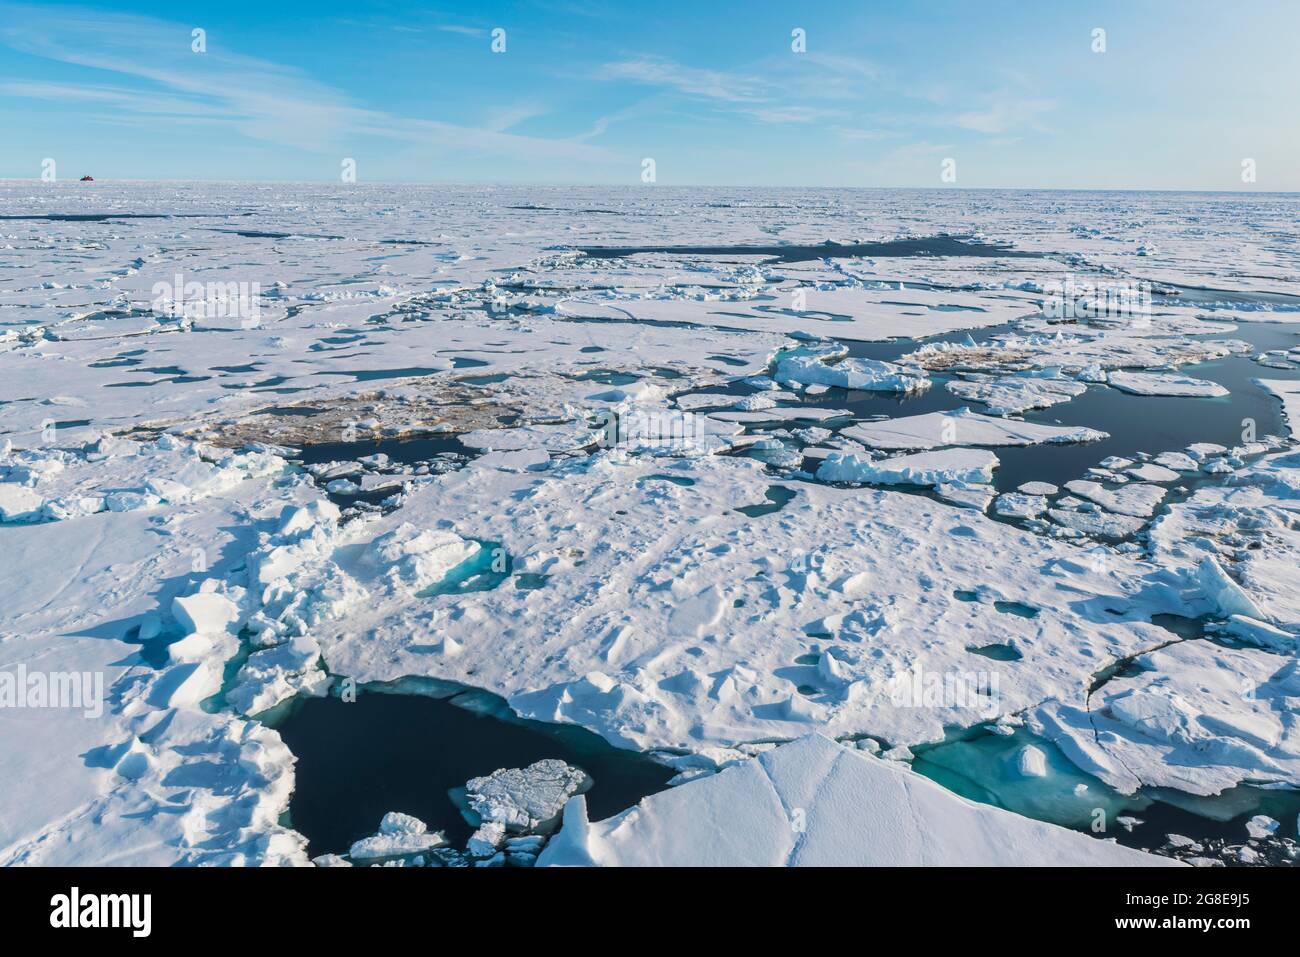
pixel 696 503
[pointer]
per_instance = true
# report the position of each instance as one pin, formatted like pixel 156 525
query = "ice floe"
pixel 921 468
pixel 963 427
pixel 1198 717
pixel 1015 395
pixel 1164 383
pixel 870 375
pixel 814 803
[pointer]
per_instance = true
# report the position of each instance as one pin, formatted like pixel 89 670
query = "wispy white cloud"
pixel 791 114
pixel 509 117
pixel 463 30
pixel 135 101
pixel 257 98
pixel 827 89
pixel 857 133
pixel 1003 115
pixel 693 81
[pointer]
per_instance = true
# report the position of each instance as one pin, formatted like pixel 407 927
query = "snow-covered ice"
pixel 814 803
pixel 1164 383
pixel 671 497
pixel 963 427
pixel 525 799
pixel 922 468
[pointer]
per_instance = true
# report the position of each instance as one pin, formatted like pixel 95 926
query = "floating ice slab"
pixel 962 427
pixel 870 375
pixel 814 803
pixel 1015 395
pixel 1198 717
pixel 1135 499
pixel 1101 523
pixel 1289 392
pixel 1164 383
pixel 1212 536
pixel 1151 472
pixel 1020 505
pixel 400 835
pixel 967 495
pixel 1176 461
pixel 525 799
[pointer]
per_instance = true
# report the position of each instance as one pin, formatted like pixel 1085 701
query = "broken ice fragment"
pixel 526 799
pixel 400 835
pixel 923 468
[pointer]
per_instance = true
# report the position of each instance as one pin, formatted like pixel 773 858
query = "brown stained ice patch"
pixel 978 358
pixel 417 407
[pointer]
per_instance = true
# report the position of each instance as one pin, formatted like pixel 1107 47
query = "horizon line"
pixel 650 187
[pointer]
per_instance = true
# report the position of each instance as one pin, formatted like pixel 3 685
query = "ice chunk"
pixel 526 799
pixel 302 518
pixel 1151 472
pixel 1019 505
pixel 1176 461
pixel 400 835
pixel 866 374
pixel 1261 827
pixel 19 504
pixel 204 613
pixel 1228 597
pixel 1261 634
pixel 413 559
pixel 922 468
pixel 1097 522
pixel 276 674
pixel 977 496
pixel 487 840
pixel 1031 762
pixel 1197 716
pixel 1038 488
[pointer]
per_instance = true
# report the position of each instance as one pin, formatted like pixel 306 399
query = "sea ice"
pixel 158 533
pixel 1020 505
pixel 1164 383
pixel 400 835
pixel 1015 395
pixel 814 803
pixel 869 375
pixel 1197 716
pixel 923 468
pixel 1137 500
pixel 962 427
pixel 525 799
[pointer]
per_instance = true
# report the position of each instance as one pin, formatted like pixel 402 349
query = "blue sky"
pixel 885 92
